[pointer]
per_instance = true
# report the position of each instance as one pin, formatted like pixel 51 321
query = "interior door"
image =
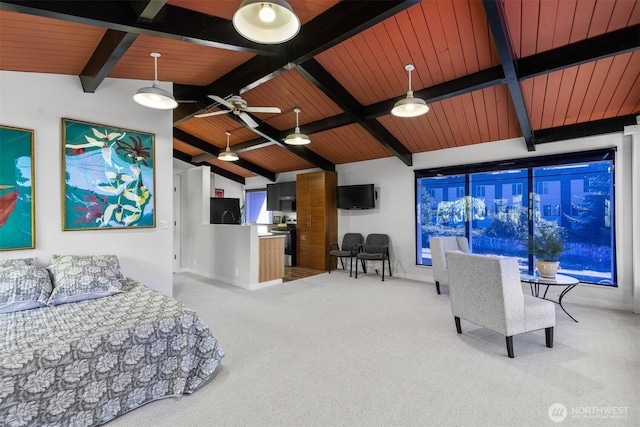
pixel 176 224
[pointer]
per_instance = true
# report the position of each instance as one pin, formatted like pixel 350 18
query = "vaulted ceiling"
pixel 543 70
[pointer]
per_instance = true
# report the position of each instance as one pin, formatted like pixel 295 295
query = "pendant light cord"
pixel 155 55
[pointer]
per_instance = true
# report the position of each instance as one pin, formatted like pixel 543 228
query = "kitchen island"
pixel 271 257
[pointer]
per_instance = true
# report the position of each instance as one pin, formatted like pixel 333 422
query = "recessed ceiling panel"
pixel 288 91
pixel 539 25
pixel 275 159
pixel 347 144
pixel 214 129
pixel 444 40
pixel 186 148
pixel 231 167
pixel 480 116
pixel 596 90
pixel 181 62
pixel 43 45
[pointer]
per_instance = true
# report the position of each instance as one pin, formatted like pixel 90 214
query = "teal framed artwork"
pixel 108 176
pixel 17 195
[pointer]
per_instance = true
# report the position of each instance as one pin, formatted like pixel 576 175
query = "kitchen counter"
pixel 271 257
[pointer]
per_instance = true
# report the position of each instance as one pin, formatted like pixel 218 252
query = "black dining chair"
pixel 375 248
pixel 349 249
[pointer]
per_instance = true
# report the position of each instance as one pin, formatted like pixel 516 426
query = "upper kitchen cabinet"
pixel 281 196
pixel 317 215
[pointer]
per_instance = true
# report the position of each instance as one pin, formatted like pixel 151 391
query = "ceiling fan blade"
pixel 248 120
pixel 214 113
pixel 222 101
pixel 263 110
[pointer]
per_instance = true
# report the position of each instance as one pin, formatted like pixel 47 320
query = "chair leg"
pixel 438 287
pixel 458 327
pixel 510 346
pixel 351 266
pixel 356 268
pixel 383 269
pixel 548 335
pixel 329 264
pixel 389 262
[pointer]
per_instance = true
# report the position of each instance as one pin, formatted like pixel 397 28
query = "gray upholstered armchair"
pixel 439 246
pixel 351 242
pixel 486 290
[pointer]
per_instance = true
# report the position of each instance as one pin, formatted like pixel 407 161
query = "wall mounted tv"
pixel 224 210
pixel 356 196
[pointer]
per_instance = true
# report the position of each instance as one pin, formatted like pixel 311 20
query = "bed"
pixel 88 361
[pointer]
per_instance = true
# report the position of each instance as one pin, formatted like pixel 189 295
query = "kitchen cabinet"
pixel 277 191
pixel 317 225
pixel 272 197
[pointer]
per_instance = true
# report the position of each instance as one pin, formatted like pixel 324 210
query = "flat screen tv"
pixel 224 210
pixel 356 196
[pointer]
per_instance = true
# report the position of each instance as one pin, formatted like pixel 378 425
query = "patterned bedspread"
pixel 85 363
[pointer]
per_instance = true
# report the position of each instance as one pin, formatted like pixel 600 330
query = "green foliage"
pixel 547 243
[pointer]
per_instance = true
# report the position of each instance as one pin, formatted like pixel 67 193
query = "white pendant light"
pixel 154 96
pixel 227 155
pixel 267 22
pixel 297 138
pixel 410 106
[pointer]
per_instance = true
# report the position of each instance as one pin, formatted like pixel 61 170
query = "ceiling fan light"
pixel 155 97
pixel 228 156
pixel 267 22
pixel 410 107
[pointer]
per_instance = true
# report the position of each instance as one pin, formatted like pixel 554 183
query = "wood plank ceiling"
pixel 544 70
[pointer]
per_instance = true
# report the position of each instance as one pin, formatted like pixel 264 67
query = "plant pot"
pixel 547 269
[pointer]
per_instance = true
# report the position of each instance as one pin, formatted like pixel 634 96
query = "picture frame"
pixel 108 177
pixel 276 219
pixel 218 192
pixel 17 189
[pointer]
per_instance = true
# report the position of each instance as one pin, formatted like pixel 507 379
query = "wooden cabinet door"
pixel 272 197
pixel 314 233
pixel 303 212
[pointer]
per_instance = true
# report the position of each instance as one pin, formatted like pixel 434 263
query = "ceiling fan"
pixel 238 106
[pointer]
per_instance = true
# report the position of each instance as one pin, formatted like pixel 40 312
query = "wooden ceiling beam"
pixel 177 154
pixel 476 81
pixel 323 80
pixel 198 143
pixel 114 45
pixel 321 125
pixel 574 54
pixel 497 24
pixel 326 30
pixel 177 23
pixel 581 130
pixel 273 135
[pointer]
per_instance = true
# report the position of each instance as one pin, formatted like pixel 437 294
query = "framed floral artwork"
pixel 108 176
pixel 17 189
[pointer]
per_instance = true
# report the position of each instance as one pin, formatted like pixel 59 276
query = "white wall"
pixel 395 209
pixel 229 253
pixel 39 102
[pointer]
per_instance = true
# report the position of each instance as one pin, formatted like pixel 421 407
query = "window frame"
pixel 523 163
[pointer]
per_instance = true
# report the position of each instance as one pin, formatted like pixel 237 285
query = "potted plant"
pixel 547 244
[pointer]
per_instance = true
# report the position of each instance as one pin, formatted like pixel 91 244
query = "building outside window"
pixel 256 207
pixel 495 215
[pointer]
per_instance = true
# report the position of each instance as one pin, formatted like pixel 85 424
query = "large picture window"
pixel 502 205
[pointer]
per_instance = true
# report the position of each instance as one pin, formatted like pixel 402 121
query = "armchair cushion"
pixel 487 291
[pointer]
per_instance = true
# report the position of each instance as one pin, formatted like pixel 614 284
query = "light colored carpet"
pixel 330 350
